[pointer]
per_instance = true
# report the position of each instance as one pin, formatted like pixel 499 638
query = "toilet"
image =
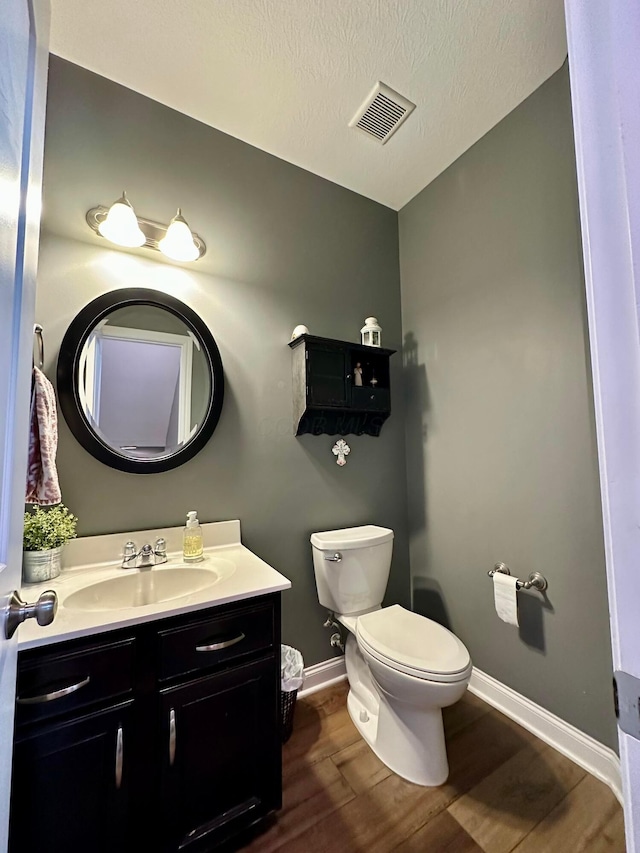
pixel 402 667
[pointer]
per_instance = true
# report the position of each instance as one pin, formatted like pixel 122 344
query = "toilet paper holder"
pixel 535 580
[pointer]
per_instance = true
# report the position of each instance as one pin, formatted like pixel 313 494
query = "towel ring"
pixel 37 332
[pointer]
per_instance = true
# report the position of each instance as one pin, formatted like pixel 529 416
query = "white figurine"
pixel 299 330
pixel 357 375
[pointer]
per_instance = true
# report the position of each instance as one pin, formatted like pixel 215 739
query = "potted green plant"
pixel 45 533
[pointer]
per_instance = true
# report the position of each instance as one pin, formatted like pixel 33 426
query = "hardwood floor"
pixel 507 791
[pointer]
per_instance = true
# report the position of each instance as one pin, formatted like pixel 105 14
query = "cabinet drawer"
pixel 215 640
pixel 56 683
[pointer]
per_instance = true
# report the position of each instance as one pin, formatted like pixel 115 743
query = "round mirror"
pixel 140 380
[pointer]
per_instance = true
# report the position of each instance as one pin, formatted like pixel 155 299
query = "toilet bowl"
pixel 402 668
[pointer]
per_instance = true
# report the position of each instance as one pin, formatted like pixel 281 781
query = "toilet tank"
pixel 357 581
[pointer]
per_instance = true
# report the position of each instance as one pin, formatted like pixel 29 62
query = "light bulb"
pixel 121 225
pixel 178 243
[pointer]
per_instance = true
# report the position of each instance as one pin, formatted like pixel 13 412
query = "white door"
pixel 24 39
pixel 604 65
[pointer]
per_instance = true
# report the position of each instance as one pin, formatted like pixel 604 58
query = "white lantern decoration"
pixel 371 333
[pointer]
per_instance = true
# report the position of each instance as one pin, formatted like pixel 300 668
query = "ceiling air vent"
pixel 382 113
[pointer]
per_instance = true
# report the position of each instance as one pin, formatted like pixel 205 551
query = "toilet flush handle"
pixel 337 557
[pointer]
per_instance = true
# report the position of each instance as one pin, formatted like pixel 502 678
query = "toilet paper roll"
pixel 506 597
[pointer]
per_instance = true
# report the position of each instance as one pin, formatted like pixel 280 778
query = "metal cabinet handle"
pixel 172 737
pixel 224 644
pixel 119 757
pixel 337 557
pixel 54 694
pixel 43 611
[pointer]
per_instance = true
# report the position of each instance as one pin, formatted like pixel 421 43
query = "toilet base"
pixel 408 739
pixel 421 759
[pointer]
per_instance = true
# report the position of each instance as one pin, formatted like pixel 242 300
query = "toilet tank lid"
pixel 351 537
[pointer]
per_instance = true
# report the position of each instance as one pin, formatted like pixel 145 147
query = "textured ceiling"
pixel 288 75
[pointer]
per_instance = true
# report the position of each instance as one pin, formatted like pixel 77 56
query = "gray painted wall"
pixel 285 247
pixel 501 453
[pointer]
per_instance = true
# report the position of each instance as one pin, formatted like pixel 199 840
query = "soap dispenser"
pixel 192 549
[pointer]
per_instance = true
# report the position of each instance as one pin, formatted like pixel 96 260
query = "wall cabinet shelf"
pixel 326 398
pixel 166 746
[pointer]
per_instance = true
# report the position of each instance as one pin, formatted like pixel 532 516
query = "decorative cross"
pixel 341 449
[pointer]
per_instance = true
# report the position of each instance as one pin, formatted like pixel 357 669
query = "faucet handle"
pixel 160 547
pixel 129 553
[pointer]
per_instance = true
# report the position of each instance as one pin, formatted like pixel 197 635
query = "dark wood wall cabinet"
pixel 326 398
pixel 163 736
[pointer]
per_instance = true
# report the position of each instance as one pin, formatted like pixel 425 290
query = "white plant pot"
pixel 39 566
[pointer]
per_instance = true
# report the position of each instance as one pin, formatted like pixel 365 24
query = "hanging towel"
pixel 42 477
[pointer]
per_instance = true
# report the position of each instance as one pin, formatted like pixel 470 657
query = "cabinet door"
pixel 69 787
pixel 327 381
pixel 221 752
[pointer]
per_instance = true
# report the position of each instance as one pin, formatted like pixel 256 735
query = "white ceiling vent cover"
pixel 382 113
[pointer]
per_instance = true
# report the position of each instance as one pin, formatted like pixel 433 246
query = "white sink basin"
pixel 135 588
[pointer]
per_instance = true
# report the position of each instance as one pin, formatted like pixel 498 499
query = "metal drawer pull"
pixel 224 644
pixel 172 737
pixel 55 694
pixel 119 756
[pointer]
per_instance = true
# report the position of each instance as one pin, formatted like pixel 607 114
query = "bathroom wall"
pixel 501 454
pixel 284 247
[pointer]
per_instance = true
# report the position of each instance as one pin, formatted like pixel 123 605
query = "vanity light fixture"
pixel 120 225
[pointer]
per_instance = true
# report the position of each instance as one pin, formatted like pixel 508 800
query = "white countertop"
pixel 90 560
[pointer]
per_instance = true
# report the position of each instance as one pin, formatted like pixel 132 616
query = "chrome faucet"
pixel 147 557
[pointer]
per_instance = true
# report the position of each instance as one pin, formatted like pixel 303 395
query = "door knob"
pixel 17 610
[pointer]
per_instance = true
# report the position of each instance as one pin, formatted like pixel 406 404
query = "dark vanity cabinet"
pixel 65 795
pixel 214 777
pixel 164 736
pixel 327 396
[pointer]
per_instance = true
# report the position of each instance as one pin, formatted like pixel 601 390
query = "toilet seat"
pixel 413 644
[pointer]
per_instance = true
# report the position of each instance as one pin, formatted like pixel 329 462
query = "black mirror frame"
pixel 67 372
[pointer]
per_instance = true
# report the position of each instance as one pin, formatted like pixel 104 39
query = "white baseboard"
pixel 588 753
pixel 322 675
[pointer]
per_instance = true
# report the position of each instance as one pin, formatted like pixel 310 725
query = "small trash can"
pixel 291 678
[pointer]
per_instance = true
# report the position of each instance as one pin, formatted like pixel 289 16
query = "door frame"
pixel 604 44
pixel 22 213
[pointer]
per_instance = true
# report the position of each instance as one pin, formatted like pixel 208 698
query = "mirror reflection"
pixel 140 380
pixel 144 383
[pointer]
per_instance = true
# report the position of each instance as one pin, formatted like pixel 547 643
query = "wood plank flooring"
pixel 507 791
